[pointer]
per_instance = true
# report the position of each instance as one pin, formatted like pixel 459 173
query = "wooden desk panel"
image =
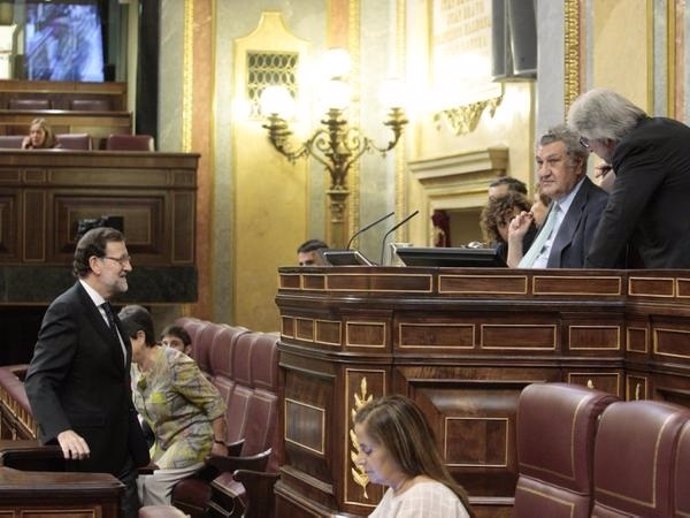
pixel 44 194
pixel 463 344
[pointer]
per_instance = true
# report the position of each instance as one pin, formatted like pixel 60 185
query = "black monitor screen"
pixel 345 258
pixel 64 41
pixel 453 257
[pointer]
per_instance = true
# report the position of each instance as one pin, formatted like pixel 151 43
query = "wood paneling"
pixel 60 93
pixel 462 344
pixel 47 193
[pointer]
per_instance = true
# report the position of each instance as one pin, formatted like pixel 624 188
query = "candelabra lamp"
pixel 335 144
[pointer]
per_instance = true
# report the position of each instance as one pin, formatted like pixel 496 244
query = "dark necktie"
pixel 110 315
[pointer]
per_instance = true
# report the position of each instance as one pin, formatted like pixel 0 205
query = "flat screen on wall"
pixel 64 41
pixel 451 257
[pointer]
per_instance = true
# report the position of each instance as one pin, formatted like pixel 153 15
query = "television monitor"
pixel 452 257
pixel 345 258
pixel 64 41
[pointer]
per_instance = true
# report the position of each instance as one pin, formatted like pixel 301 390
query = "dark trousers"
pixel 129 505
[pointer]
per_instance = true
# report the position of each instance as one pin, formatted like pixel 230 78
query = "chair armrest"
pixel 256 462
pixel 259 490
pixel 235 448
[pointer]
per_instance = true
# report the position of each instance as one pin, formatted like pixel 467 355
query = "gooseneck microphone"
pixel 393 229
pixel 367 227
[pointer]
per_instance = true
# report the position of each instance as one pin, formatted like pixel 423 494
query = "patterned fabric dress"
pixel 179 404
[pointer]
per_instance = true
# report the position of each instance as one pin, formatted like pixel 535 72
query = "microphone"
pixel 367 227
pixel 393 229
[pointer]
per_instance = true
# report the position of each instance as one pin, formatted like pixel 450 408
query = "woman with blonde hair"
pixel 398 449
pixel 40 136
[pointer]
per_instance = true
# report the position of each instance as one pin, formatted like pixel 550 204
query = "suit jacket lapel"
pixel 569 226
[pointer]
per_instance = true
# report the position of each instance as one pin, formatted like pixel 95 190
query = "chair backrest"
pixel 201 346
pixel 29 104
pixel 90 105
pixel 220 360
pixel 75 141
pixel 11 141
pixel 681 474
pixel 255 374
pixel 634 457
pixel 556 426
pixel 117 142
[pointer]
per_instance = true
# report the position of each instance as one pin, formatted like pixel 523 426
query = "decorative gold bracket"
pixel 464 119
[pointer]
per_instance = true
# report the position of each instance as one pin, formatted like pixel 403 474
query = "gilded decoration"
pixel 572 51
pixel 465 119
pixel 358 474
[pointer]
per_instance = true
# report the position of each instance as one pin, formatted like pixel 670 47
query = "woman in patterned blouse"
pixel 184 410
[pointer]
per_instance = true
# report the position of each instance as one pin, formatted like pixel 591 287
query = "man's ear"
pixel 95 264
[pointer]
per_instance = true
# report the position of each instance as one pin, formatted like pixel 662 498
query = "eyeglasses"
pixel 125 259
pixel 584 142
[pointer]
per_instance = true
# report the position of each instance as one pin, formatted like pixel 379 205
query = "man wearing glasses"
pixel 648 207
pixel 78 381
pixel 576 206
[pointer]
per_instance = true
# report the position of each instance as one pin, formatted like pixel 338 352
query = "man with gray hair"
pixel 574 213
pixel 649 206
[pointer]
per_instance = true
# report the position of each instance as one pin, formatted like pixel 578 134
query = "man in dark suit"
pixel 649 207
pixel 78 381
pixel 576 206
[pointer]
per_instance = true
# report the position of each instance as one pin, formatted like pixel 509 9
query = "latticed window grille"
pixel 269 68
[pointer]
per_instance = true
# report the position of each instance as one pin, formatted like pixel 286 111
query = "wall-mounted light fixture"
pixel 335 144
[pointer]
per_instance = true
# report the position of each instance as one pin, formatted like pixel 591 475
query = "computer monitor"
pixel 345 258
pixel 453 257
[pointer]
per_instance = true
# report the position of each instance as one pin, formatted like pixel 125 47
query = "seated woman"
pixel 184 410
pixel 398 449
pixel 177 338
pixel 496 216
pixel 41 136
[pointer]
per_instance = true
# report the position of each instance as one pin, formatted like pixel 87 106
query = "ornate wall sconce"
pixel 335 144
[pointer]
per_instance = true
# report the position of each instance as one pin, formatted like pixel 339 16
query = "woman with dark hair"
pixel 41 136
pixel 178 338
pixel 184 410
pixel 398 449
pixel 496 217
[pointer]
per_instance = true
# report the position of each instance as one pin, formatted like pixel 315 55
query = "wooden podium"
pixel 462 343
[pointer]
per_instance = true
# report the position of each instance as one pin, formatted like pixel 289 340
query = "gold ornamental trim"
pixel 465 119
pixel 572 52
pixel 359 476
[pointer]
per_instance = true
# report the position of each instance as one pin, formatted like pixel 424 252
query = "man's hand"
pixel 73 445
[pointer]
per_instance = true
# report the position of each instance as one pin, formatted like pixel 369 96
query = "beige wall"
pixel 257 207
